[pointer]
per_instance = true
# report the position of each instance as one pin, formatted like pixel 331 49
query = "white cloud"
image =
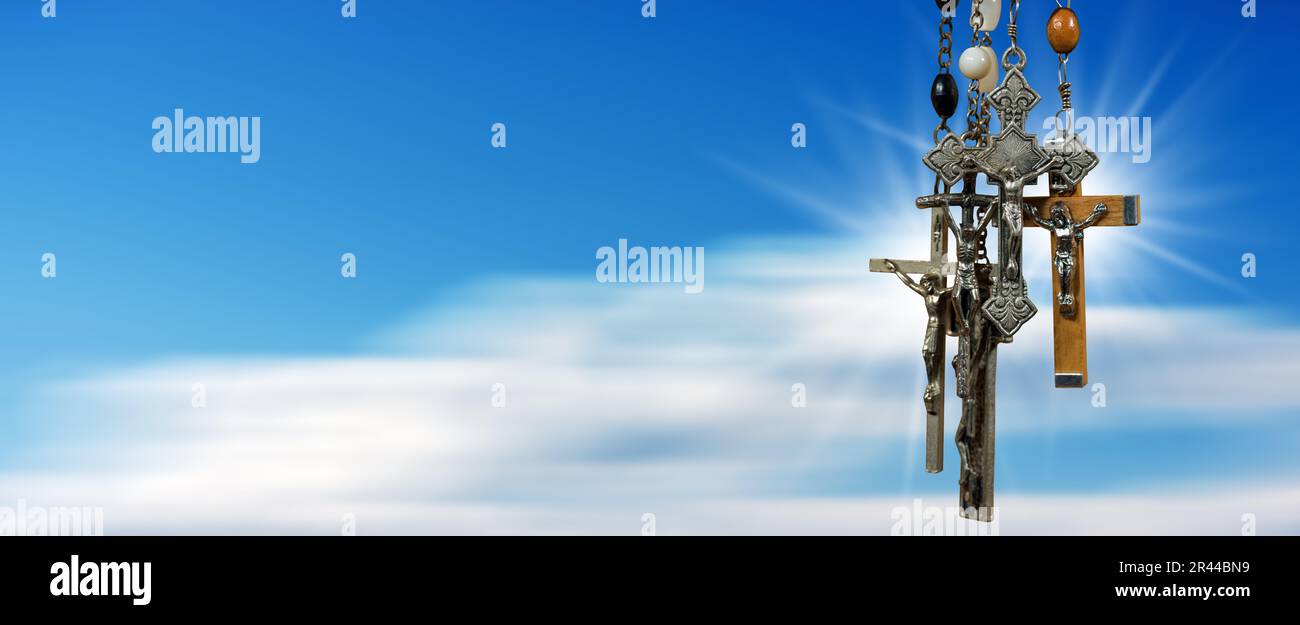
pixel 621 400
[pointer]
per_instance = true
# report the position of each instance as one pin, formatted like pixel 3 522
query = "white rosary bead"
pixel 992 12
pixel 990 81
pixel 976 63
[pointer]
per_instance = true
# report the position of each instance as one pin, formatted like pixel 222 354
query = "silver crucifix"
pixel 970 239
pixel 938 302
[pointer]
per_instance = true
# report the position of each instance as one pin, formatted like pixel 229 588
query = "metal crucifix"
pixel 934 276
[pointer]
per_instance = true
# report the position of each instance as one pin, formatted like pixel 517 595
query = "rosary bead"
pixel 943 95
pixel 990 81
pixel 992 12
pixel 976 63
pixel 1063 30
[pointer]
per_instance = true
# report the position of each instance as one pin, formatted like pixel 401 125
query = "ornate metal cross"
pixel 1010 161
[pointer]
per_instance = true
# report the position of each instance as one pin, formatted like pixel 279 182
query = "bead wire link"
pixel 1067 98
pixel 1013 31
pixel 1064 88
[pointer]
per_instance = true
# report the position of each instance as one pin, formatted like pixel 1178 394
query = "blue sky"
pixel 666 131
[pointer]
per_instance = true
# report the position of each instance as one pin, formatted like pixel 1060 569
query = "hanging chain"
pixel 945 58
pixel 945 38
pixel 945 67
pixel 986 115
pixel 974 128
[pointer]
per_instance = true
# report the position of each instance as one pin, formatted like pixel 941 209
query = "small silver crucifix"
pixel 970 240
pixel 938 303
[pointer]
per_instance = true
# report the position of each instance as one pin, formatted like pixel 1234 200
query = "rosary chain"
pixel 986 114
pixel 945 42
pixel 945 65
pixel 974 126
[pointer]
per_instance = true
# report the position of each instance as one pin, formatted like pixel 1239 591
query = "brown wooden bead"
pixel 1063 30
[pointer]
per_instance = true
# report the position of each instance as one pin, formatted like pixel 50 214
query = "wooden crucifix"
pixel 1066 213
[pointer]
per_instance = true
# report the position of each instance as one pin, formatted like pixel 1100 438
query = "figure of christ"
pixel 1012 184
pixel 1014 222
pixel 1066 232
pixel 938 307
pixel 966 301
pixel 979 339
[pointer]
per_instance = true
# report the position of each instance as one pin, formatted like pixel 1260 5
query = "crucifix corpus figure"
pixel 938 306
pixel 1067 231
pixel 970 247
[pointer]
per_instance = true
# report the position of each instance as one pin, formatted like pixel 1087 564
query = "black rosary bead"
pixel 943 95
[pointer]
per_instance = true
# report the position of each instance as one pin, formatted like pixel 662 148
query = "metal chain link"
pixel 986 114
pixel 973 126
pixel 945 65
pixel 945 39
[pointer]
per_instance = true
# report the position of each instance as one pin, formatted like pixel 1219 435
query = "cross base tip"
pixel 1069 380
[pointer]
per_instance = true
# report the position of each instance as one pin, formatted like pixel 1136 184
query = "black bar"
pixel 209 575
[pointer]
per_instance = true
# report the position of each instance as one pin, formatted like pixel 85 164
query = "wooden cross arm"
pixel 1121 210
pixel 918 267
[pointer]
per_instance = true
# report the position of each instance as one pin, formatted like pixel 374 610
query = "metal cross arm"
pixel 914 267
